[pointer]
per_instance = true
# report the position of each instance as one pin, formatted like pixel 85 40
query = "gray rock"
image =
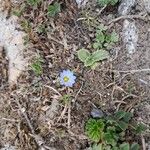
pixel 8 147
pixel 130 36
pixel 147 5
pixel 125 6
pixel 81 3
pixel 97 113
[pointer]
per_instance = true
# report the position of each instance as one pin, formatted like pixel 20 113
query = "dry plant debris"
pixel 37 112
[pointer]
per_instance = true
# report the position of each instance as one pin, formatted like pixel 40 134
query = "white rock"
pixel 147 5
pixel 81 3
pixel 125 6
pixel 8 147
pixel 12 41
pixel 130 36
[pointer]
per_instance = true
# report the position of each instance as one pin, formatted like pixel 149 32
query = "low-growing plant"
pixel 104 40
pixel 25 24
pixel 91 59
pixel 109 133
pixel 41 28
pixel 18 11
pixel 53 9
pixel 65 99
pixel 33 2
pixel 37 66
pixel 94 129
pixel 102 43
pixel 107 2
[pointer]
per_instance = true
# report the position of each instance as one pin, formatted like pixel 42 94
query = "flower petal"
pixel 70 75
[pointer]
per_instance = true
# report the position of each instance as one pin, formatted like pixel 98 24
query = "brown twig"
pixel 69 115
pixel 38 139
pixel 53 89
pixel 140 16
pixel 63 113
pixel 74 100
pixel 55 40
pixel 143 142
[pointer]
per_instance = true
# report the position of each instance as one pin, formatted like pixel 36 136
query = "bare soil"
pixel 117 83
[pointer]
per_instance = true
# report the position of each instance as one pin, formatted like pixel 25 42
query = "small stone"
pixel 147 5
pixel 81 3
pixel 130 36
pixel 125 7
pixel 97 113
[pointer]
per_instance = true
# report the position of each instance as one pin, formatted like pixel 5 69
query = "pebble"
pixel 126 6
pixel 147 5
pixel 130 36
pixel 97 113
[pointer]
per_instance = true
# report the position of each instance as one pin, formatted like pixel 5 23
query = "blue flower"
pixel 67 78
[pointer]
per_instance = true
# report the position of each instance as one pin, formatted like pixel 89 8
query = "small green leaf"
pixel 108 39
pixel 110 136
pixel 114 37
pixel 97 147
pixel 115 148
pixel 33 2
pixel 83 54
pixel 120 114
pixel 36 66
pixel 140 128
pixel 110 139
pixel 127 117
pixel 54 9
pixel 94 129
pixel 100 37
pixel 123 125
pixel 101 28
pixel 89 61
pixel 97 45
pixel 93 67
pixel 106 45
pixel 100 55
pixel 113 2
pixel 125 146
pixel 135 146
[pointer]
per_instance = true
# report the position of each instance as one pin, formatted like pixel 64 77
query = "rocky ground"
pixel 32 114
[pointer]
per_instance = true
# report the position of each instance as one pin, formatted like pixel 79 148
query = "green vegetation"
pixel 104 40
pixel 33 2
pixel 102 43
pixel 91 59
pixel 65 99
pixel 107 2
pixel 37 66
pixel 53 9
pixel 18 11
pixel 94 129
pixel 109 133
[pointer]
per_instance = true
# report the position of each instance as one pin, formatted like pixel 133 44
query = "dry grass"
pixel 32 113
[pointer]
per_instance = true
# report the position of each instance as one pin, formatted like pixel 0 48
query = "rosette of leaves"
pixel 104 40
pixel 91 59
pixel 109 133
pixel 94 129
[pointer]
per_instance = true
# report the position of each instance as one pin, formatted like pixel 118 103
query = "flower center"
pixel 66 79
